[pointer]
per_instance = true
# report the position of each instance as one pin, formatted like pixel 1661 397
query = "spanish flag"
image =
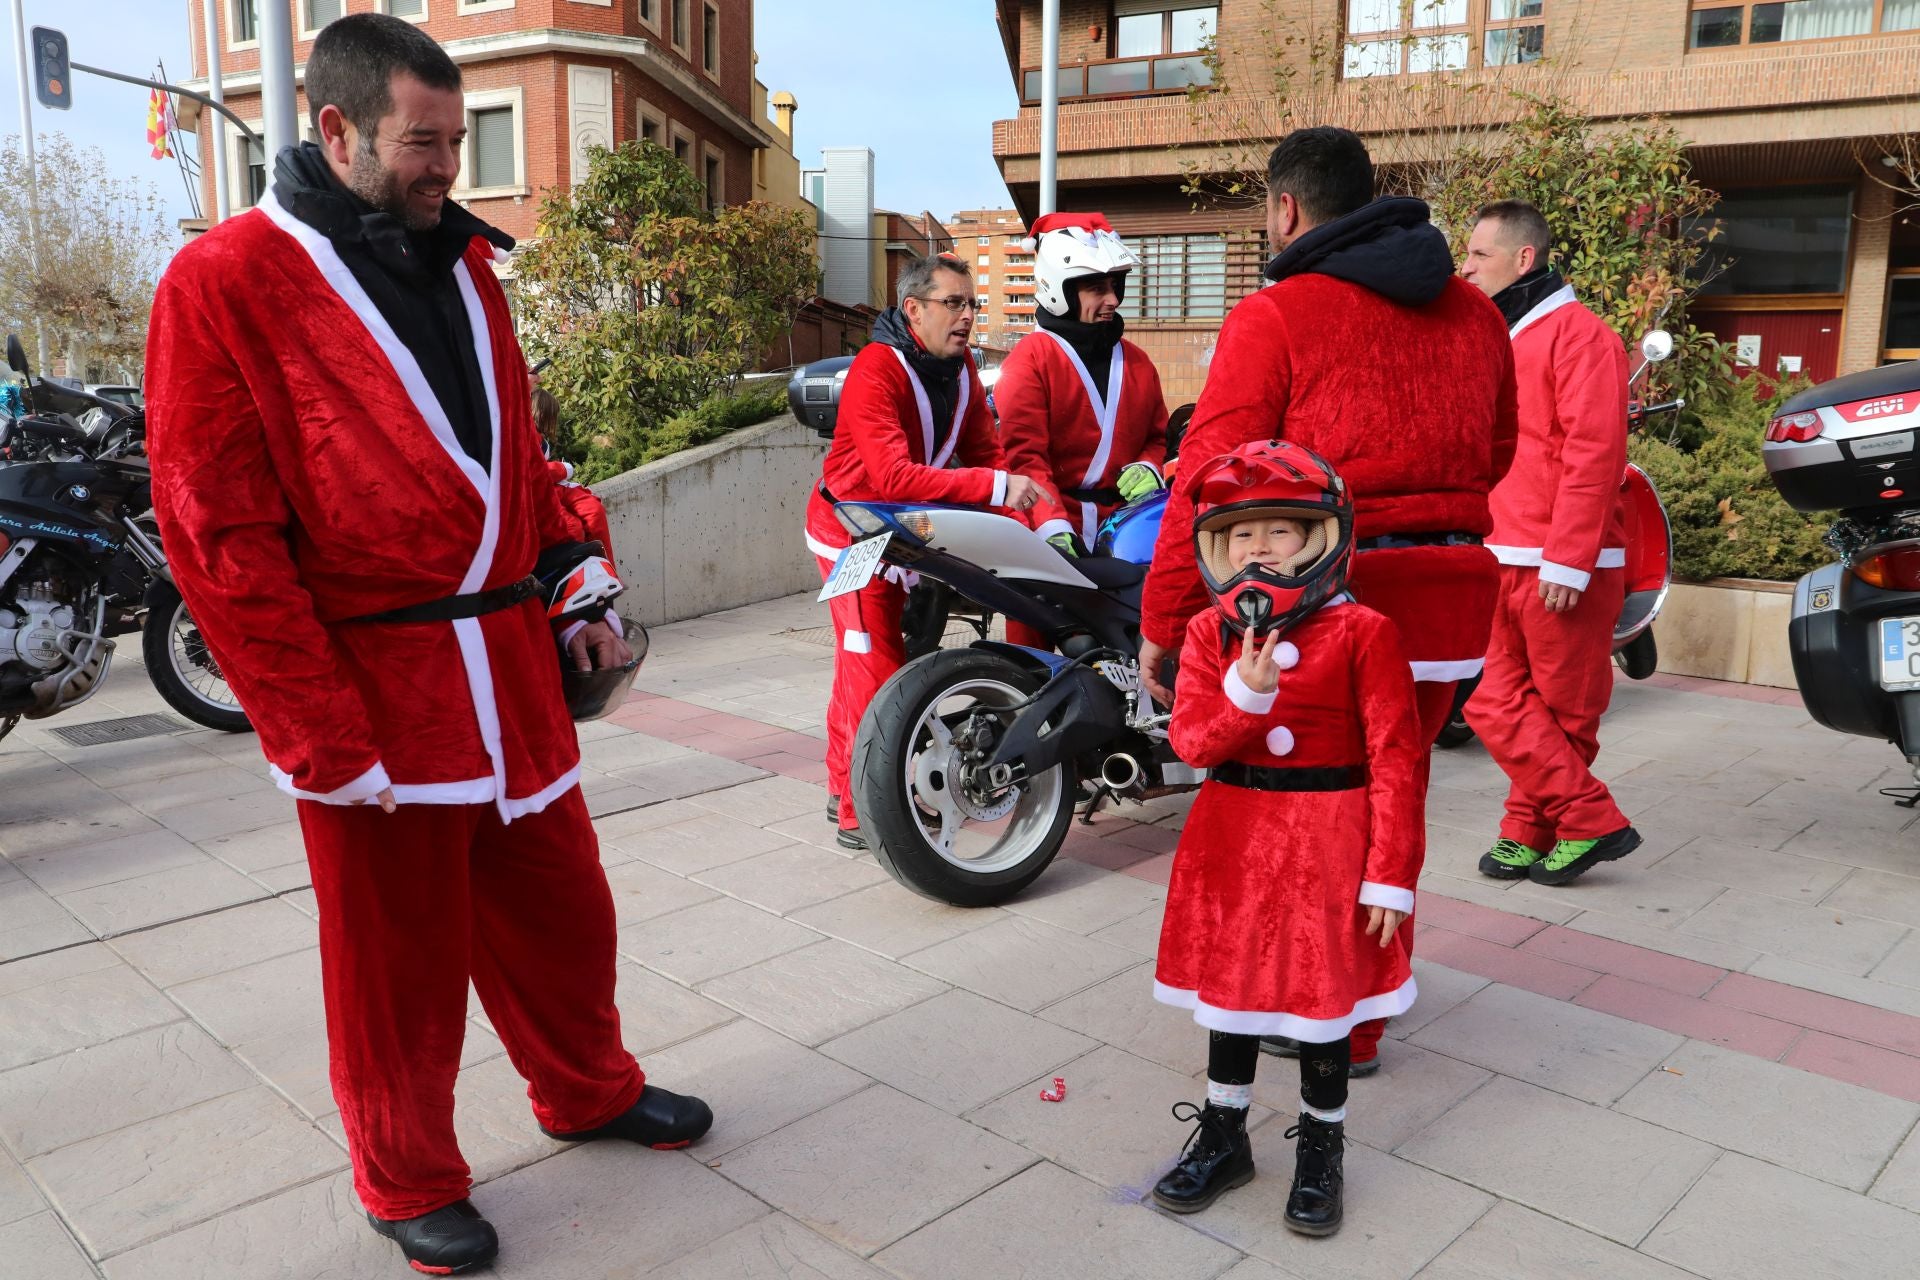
pixel 160 124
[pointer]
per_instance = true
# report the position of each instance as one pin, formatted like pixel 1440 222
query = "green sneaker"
pixel 1573 858
pixel 1508 860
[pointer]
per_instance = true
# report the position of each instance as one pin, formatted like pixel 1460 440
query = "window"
pixel 1179 278
pixel 490 148
pixel 406 8
pixel 1148 28
pixel 986 240
pixel 677 30
pixel 315 14
pixel 483 6
pixel 1016 239
pixel 983 279
pixel 254 178
pixel 682 144
pixel 710 40
pixel 1787 241
pixel 1714 24
pixel 1903 315
pixel 713 174
pixel 244 27
pixel 984 260
pixel 1388 37
pixel 650 13
pixel 652 128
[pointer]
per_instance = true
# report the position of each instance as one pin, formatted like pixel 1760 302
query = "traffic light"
pixel 52 75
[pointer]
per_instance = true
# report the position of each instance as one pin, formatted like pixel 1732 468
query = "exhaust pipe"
pixel 1120 772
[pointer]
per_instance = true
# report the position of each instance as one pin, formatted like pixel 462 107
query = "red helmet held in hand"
pixel 1272 478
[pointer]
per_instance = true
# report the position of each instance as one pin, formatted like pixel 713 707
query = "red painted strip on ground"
pixel 1155 870
pixel 1819 1012
pixel 1868 1066
pixel 1477 921
pixel 1654 968
pixel 1684 1015
pixel 1504 964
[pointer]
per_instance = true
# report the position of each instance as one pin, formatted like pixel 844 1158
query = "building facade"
pixel 1789 112
pixel 992 241
pixel 544 80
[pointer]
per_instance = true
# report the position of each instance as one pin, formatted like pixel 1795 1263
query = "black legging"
pixel 1233 1058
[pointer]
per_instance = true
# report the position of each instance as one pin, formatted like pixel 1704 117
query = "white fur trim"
pixel 1280 739
pixel 856 641
pixel 1089 523
pixel 936 457
pixel 822 549
pixel 511 809
pixel 1106 411
pixel 1254 704
pixel 1609 557
pixel 1286 655
pixel 1254 1022
pixel 1563 296
pixel 365 787
pixel 1440 672
pixel 999 498
pixel 1375 894
pixel 1562 576
pixel 1051 527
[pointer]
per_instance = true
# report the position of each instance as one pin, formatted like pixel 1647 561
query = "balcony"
pixel 1122 77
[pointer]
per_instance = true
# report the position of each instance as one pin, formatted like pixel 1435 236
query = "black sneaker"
pixel 1217 1158
pixel 447 1242
pixel 1571 859
pixel 850 838
pixel 661 1120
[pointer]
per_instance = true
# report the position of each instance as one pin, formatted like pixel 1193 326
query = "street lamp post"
pixel 33 169
pixel 1049 102
pixel 221 198
pixel 276 77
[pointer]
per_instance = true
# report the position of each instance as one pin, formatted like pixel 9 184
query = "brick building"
pixel 544 80
pixel 898 239
pixel 1786 109
pixel 992 242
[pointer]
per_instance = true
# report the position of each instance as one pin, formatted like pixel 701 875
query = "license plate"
pixel 855 566
pixel 1900 653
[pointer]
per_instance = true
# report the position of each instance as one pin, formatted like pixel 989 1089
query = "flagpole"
pixel 212 27
pixel 33 171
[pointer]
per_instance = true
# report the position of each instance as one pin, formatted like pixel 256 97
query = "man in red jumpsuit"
pixel 913 427
pixel 354 504
pixel 1559 533
pixel 1367 349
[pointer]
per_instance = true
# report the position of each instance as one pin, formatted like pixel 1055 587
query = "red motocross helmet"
pixel 1262 479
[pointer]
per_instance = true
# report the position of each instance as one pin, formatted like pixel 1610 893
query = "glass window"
pixel 1715 28
pixel 710 39
pixel 1510 46
pixel 1192 28
pixel 1119 77
pixel 1366 17
pixel 1179 278
pixel 407 8
pixel 646 11
pixel 1810 20
pixel 1900 15
pixel 1372 58
pixel 679 34
pixel 1903 313
pixel 321 12
pixel 1428 14
pixel 1179 73
pixel 256 170
pixel 984 260
pixel 1138 35
pixel 1790 240
pixel 683 151
pixel 714 194
pixel 490 147
pixel 246 20
pixel 1441 53
pixel 986 239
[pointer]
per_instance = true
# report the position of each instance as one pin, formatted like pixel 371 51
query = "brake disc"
pixel 943 779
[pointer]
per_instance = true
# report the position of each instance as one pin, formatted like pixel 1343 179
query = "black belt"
pixel 1105 497
pixel 827 493
pixel 1392 541
pixel 449 608
pixel 1256 777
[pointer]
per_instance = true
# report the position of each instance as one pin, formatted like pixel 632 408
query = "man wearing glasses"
pixel 913 427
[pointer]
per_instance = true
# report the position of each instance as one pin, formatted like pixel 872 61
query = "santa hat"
pixel 1063 222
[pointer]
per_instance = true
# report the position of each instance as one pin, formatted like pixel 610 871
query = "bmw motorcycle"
pixel 80 562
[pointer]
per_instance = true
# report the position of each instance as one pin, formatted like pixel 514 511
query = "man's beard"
pixel 369 180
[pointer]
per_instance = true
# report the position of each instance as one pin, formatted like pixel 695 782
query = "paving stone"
pixel 1687 1016
pixel 1049 1222
pixel 957 1050
pixel 80 1095
pixel 768 801
pixel 1122 1011
pixel 755 1080
pixel 1902 964
pixel 712 938
pixel 75 1009
pixel 1747 1220
pixel 1740 866
pixel 494 1121
pixel 208 885
pixel 821 991
pixel 1879 894
pixel 295 1063
pixel 1398 1215
pixel 1648 895
pixel 1524 969
pixel 642 891
pixel 33 921
pixel 257 850
pixel 626 750
pixel 115 764
pixel 773 1248
pixel 1440 989
pixel 701 843
pixel 1899 1182
pixel 251 1242
pixel 214 943
pixel 104 861
pixel 74 816
pixel 282 881
pixel 1512 1243
pixel 1022 962
pixel 253 1002
pixel 18 1198
pixel 893 921
pixel 898 1164
pixel 1723 955
pixel 1896 1075
pixel 1520 1143
pixel 41 1248
pixel 618 827
pixel 208 819
pixel 1496 895
pixel 689 775
pixel 17 976
pixel 1652 968
pixel 1823 1012
pixel 791 878
pixel 1413 1088
pixel 811 829
pixel 656 1012
pixel 605 1209
pixel 158 796
pixel 1820 935
pixel 1580 1052
pixel 1083 898
pixel 1137 933
pixel 139 1183
pixel 1258 1269
pixel 1819 1127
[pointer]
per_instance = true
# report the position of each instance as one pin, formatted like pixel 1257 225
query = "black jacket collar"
pixel 1389 246
pixel 307 188
pixel 1528 292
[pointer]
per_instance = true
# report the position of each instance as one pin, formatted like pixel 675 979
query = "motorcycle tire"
pixel 1639 657
pixel 902 786
pixel 1456 732
pixel 166 613
pixel 923 623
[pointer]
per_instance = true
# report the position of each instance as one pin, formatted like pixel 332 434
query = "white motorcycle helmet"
pixel 1067 246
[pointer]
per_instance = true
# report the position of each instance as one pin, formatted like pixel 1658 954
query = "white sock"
pixel 1324 1117
pixel 1236 1097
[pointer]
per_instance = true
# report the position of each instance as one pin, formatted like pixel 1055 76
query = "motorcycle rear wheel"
pixel 1639 657
pixel 182 669
pixel 930 819
pixel 1456 732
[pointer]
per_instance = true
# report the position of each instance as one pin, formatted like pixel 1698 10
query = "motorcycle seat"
pixel 1110 574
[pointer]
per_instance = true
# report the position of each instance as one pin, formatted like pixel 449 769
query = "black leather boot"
pixel 661 1120
pixel 1217 1158
pixel 1313 1205
pixel 447 1242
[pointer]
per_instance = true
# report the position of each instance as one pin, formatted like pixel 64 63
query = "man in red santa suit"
pixel 355 507
pixel 1080 407
pixel 1367 349
pixel 1559 532
pixel 913 426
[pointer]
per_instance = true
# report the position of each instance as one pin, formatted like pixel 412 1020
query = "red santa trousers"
pixel 1549 679
pixel 414 903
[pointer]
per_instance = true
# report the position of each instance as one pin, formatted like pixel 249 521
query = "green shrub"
pixel 718 415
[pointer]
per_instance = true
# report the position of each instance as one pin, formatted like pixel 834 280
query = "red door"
pixel 1809 338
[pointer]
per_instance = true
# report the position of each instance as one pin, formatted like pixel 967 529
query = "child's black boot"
pixel 1313 1205
pixel 1217 1158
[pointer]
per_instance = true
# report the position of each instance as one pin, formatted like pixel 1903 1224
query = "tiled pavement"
pixel 1704 1060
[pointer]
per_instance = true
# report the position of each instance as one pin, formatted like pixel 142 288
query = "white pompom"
pixel 1285 656
pixel 1280 740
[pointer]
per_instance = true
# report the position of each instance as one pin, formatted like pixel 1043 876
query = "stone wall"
pixel 1728 629
pixel 716 527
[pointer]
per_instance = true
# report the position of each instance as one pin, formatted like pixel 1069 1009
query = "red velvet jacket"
pixel 1413 405
pixel 1559 508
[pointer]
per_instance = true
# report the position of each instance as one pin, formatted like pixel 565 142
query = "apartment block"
pixel 992 241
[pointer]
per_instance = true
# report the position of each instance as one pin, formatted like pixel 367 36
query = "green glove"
pixel 1137 480
pixel 1066 544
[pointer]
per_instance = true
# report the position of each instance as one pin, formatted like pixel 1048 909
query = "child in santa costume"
pixel 1295 874
pixel 583 509
pixel 1080 407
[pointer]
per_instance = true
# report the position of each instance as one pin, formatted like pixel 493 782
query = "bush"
pixel 719 414
pixel 1728 520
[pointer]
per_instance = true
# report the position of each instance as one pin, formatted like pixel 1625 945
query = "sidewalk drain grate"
pixel 125 729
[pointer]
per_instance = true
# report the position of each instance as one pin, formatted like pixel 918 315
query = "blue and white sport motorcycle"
pixel 968 761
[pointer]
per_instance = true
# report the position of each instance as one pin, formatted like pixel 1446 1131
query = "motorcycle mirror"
pixel 1656 346
pixel 16 354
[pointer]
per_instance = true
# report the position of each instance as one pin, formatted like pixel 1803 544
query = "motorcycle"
pixel 80 562
pixel 1649 562
pixel 1854 635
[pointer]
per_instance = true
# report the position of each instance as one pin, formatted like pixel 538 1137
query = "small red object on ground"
pixel 1056 1093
